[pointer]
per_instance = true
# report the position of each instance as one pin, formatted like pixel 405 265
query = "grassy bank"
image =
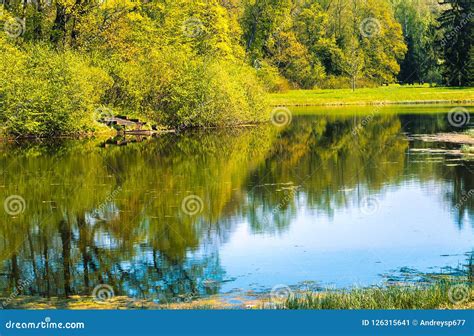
pixel 439 296
pixel 442 295
pixel 393 94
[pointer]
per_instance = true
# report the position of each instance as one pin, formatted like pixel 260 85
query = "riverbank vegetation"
pixel 187 63
pixel 436 296
pixel 176 63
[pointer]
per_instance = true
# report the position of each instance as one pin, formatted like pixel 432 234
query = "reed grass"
pixel 439 295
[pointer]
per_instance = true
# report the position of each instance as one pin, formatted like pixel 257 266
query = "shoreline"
pixel 133 133
pixel 272 105
pixel 435 296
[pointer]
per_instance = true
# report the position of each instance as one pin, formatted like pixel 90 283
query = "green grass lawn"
pixel 393 94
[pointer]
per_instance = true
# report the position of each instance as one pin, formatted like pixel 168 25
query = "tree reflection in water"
pixel 114 215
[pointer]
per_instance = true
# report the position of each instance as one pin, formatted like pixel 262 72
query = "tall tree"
pixel 456 22
pixel 262 19
pixel 418 20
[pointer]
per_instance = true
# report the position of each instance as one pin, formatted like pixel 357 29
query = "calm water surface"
pixel 331 201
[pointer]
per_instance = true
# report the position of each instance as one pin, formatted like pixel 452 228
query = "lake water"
pixel 325 201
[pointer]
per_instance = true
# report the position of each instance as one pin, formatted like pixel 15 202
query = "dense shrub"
pixel 178 89
pixel 45 92
pixel 176 65
pixel 48 93
pixel 211 93
pixel 270 77
pixel 186 71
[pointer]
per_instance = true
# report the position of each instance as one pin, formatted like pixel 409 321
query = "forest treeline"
pixel 186 63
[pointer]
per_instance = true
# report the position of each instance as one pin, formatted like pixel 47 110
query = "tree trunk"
pixel 58 32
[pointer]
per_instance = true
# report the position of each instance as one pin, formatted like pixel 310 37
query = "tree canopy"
pixel 187 63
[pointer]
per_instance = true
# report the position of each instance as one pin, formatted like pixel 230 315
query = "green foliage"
pixel 178 63
pixel 209 62
pixel 209 93
pixel 343 82
pixel 308 40
pixel 270 77
pixel 467 149
pixel 48 93
pixel 392 297
pixel 470 67
pixel 418 20
pixel 294 61
pixel 261 20
pixel 457 27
